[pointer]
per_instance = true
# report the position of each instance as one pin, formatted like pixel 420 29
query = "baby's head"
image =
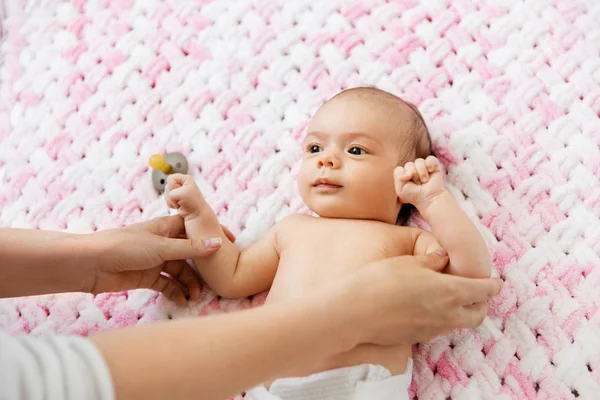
pixel 353 143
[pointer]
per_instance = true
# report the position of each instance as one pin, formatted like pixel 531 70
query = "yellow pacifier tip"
pixel 158 162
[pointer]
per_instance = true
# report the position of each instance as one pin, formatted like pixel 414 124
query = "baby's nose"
pixel 328 160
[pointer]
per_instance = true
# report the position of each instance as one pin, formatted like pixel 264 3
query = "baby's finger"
pixel 432 164
pixel 170 202
pixel 411 170
pixel 422 170
pixel 400 174
pixel 172 183
pixel 176 195
pixel 178 179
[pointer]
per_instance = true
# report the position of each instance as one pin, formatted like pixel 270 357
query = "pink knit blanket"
pixel 510 89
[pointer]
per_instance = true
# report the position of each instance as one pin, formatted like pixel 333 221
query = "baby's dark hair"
pixel 420 145
pixel 423 150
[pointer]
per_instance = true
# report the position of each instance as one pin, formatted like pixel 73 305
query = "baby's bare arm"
pixel 229 272
pixel 421 184
pixel 468 252
pixel 232 273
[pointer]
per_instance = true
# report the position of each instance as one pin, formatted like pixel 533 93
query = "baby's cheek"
pixel 381 189
pixel 384 180
pixel 303 185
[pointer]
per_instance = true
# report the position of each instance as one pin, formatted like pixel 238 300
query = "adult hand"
pixel 388 302
pixel 405 300
pixel 149 255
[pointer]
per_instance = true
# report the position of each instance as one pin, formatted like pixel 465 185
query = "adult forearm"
pixel 467 251
pixel 34 262
pixel 219 356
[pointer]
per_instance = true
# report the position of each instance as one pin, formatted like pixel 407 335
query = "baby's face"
pixel 350 152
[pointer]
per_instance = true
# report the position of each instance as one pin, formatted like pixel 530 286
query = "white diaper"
pixel 362 382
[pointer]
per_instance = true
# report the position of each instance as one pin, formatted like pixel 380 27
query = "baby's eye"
pixel 357 151
pixel 313 148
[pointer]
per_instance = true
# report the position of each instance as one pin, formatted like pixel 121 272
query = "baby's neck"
pixel 391 221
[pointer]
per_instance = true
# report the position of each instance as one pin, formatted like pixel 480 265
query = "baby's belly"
pixel 291 284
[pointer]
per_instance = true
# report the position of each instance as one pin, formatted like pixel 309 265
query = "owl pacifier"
pixel 163 166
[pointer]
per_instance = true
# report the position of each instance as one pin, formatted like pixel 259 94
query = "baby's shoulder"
pixel 296 219
pixel 293 222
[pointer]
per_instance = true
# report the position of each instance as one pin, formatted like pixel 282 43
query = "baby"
pixel 367 160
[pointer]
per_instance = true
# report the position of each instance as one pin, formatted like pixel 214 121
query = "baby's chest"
pixel 318 257
pixel 334 252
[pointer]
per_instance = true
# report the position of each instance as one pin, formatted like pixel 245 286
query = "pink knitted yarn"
pixel 511 90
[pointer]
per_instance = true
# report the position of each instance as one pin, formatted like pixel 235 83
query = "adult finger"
pixel 470 317
pixel 436 261
pixel 183 273
pixel 472 290
pixel 228 234
pixel 170 289
pixel 171 226
pixel 226 231
pixel 184 249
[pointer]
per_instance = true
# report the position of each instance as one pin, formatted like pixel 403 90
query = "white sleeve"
pixel 52 367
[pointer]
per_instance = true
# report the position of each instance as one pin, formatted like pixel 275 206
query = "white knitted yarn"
pixel 510 90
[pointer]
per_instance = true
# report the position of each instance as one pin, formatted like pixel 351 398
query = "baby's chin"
pixel 333 209
pixel 329 209
pixel 339 210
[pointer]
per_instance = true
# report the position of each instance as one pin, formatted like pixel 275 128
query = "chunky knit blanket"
pixel 510 89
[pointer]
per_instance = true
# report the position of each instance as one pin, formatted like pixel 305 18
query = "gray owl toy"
pixel 163 166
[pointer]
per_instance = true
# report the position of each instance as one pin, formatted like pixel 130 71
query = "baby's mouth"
pixel 326 184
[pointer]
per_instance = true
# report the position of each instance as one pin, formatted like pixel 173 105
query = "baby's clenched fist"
pixel 183 194
pixel 419 182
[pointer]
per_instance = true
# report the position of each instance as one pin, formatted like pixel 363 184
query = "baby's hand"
pixel 182 193
pixel 419 182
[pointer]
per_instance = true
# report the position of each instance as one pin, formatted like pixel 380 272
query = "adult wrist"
pixel 84 253
pixel 340 319
pixel 320 326
pixel 39 262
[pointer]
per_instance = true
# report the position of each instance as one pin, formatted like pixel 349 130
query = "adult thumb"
pixel 183 249
pixel 435 260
